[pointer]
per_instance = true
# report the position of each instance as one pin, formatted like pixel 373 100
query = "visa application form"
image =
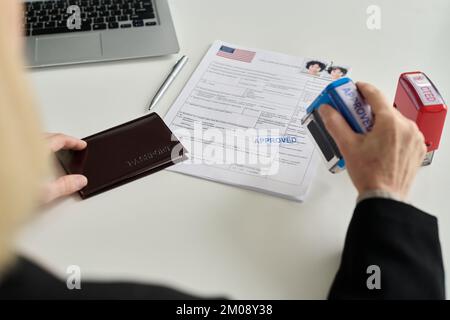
pixel 263 95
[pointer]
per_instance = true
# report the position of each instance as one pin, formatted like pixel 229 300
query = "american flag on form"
pixel 236 54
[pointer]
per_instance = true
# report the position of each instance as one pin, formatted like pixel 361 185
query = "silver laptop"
pixel 104 30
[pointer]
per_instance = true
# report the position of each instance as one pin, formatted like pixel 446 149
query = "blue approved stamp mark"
pixel 276 140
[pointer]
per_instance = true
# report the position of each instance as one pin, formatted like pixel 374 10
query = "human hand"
pixel 67 184
pixel 388 157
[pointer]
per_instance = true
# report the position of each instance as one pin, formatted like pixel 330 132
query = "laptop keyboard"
pixel 50 17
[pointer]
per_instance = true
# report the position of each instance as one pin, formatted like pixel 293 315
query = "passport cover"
pixel 123 153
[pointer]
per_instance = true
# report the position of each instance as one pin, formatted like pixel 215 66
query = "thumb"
pixel 64 186
pixel 338 128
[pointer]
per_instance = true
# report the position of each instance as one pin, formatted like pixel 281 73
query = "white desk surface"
pixel 209 238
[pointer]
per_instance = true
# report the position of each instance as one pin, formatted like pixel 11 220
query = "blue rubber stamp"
pixel 343 96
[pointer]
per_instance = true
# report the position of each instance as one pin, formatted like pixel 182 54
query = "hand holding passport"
pixel 123 153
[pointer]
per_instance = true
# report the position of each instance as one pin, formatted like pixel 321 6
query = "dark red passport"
pixel 122 154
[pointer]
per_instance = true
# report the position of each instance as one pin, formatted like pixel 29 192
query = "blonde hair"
pixel 23 156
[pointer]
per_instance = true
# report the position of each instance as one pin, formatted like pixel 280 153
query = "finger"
pixel 61 141
pixel 338 128
pixel 374 98
pixel 64 186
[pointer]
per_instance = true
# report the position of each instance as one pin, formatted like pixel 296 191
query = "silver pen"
pixel 172 75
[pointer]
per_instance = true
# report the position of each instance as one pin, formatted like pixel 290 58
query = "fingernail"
pixel 81 182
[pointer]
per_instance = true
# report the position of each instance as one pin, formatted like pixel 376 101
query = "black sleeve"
pixel 403 242
pixel 29 281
